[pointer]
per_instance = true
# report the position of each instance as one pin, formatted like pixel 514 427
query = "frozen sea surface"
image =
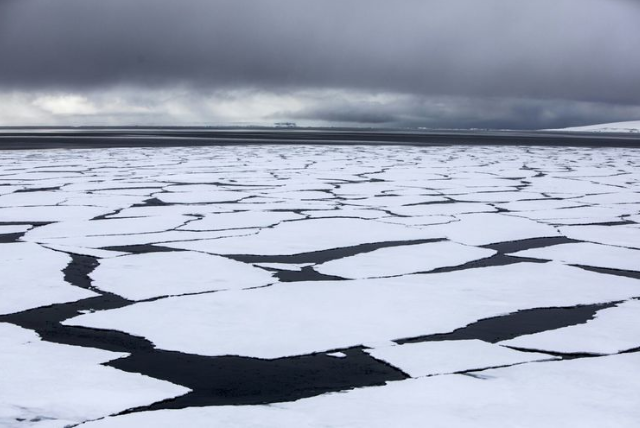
pixel 317 286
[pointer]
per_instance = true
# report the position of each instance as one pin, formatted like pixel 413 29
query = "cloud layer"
pixel 390 62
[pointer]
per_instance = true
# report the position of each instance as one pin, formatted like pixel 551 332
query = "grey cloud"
pixel 583 50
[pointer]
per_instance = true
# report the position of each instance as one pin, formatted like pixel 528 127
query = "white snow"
pixel 587 254
pixel 51 213
pixel 309 235
pixel 105 227
pixel 403 260
pixel 18 228
pixel 304 317
pixel 63 385
pixel 612 330
pixel 32 277
pixel 434 358
pixel 619 127
pixel 484 229
pixel 240 220
pixel 145 276
pixel 588 393
pixel 622 236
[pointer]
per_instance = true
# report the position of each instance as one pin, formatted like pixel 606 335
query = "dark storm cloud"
pixel 585 50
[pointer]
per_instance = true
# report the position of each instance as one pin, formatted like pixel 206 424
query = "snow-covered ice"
pixel 403 260
pixel 434 358
pixel 51 385
pixel 145 276
pixel 587 254
pixel 32 277
pixel 319 316
pixel 307 236
pixel 590 393
pixel 213 251
pixel 613 330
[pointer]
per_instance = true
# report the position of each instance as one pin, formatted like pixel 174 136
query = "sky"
pixel 513 64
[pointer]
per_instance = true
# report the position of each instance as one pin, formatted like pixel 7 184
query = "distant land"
pixel 631 126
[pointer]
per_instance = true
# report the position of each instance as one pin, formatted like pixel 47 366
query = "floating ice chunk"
pixel 337 355
pixel 201 197
pixel 394 201
pixel 240 220
pixel 484 229
pixel 309 235
pixel 18 228
pixel 31 199
pixel 587 254
pixel 284 266
pixel 113 202
pixel 100 254
pixel 418 221
pixel 294 318
pixel 539 205
pixel 346 212
pixel 578 215
pixel 622 236
pixel 105 227
pixel 433 358
pixel 145 276
pixel 443 209
pixel 173 210
pixel 32 277
pixel 60 385
pixel 612 330
pixel 51 213
pixel 589 393
pixel 497 197
pixel 144 238
pixel 403 260
pixel 612 198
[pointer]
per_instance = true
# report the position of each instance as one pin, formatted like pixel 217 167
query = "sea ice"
pixel 587 254
pixel 484 229
pixel 434 358
pixel 32 277
pixel 612 330
pixel 146 276
pixel 403 260
pixel 305 317
pixel 589 393
pixel 47 385
pixel 309 235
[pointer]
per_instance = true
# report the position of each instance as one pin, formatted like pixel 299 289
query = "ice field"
pixel 315 286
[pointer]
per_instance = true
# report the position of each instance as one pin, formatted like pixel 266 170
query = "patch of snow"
pixel 589 393
pixel 612 330
pixel 145 276
pixel 403 260
pixel 299 318
pixel 587 254
pixel 434 358
pixel 45 384
pixel 32 277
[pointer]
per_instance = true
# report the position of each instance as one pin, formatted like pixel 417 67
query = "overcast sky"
pixel 433 63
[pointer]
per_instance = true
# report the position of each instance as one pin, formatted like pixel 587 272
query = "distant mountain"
pixel 632 126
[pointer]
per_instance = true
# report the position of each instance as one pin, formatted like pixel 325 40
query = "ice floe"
pixel 304 317
pixel 32 277
pixel 145 276
pixel 309 235
pixel 51 385
pixel 434 358
pixel 613 330
pixel 590 393
pixel 403 260
pixel 484 229
pixel 587 254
